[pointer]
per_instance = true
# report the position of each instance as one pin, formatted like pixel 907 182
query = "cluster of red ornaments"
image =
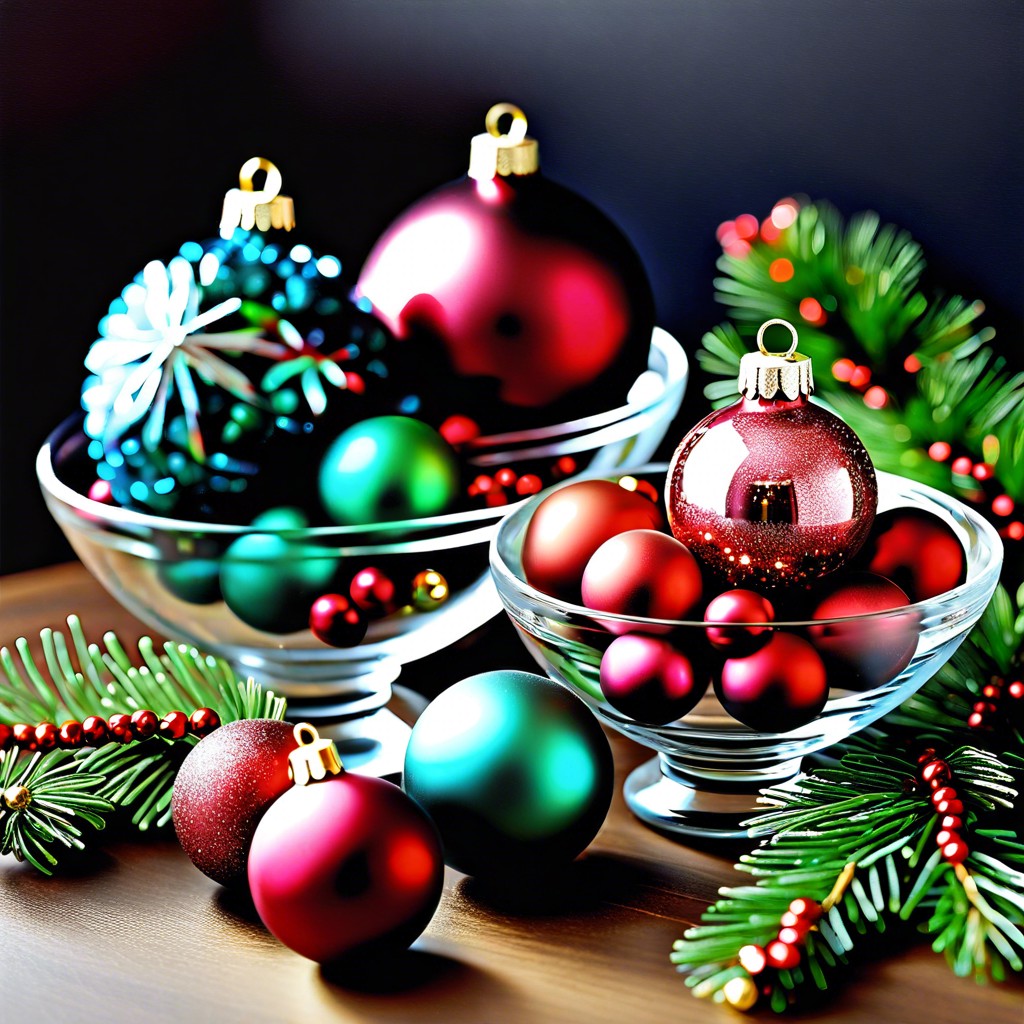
pixel 783 952
pixel 119 728
pixel 999 702
pixel 935 774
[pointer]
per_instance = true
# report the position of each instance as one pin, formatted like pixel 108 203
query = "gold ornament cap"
pixel 314 759
pixel 494 153
pixel 768 375
pixel 248 207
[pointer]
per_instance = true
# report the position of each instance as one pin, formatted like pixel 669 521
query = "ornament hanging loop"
pixel 517 130
pixel 248 207
pixel 314 758
pixel 495 153
pixel 781 323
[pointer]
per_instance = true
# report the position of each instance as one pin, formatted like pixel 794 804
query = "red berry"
pixel 6 735
pixel 94 731
pixel 47 735
pixel 943 793
pixel 1016 690
pixel 947 835
pixel 144 724
pixel 458 429
pixel 203 721
pixel 806 909
pixel 935 773
pixel 975 720
pixel 952 822
pixel 955 851
pixel 753 959
pixel 120 727
pixel 528 483
pixel 950 807
pixel 71 735
pixel 781 955
pixel 506 476
pixel 791 936
pixel 926 755
pixel 24 736
pixel 991 692
pixel 173 725
pixel 962 466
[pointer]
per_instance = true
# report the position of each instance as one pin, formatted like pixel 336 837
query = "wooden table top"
pixel 137 933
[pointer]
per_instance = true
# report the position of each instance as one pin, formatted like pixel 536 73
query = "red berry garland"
pixel 936 775
pixel 120 728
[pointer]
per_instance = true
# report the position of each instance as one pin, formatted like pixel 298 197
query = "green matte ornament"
pixel 270 581
pixel 387 468
pixel 515 771
pixel 195 580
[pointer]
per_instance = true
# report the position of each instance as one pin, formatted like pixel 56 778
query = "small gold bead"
pixel 429 590
pixel 740 993
pixel 16 798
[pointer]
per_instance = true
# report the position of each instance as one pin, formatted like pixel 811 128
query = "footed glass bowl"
pixel 166 571
pixel 709 767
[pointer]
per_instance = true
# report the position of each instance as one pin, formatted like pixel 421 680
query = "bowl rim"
pixel 502 571
pixel 662 343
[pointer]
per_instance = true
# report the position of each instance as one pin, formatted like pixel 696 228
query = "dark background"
pixel 123 123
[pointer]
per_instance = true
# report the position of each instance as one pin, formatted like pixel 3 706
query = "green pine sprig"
pixel 78 679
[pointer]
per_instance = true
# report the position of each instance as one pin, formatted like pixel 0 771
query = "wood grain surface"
pixel 135 933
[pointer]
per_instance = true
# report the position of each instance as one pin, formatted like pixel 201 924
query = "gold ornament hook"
pixel 314 758
pixel 781 323
pixel 517 130
pixel 248 207
pixel 494 152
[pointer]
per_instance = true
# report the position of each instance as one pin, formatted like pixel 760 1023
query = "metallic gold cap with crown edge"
pixel 247 207
pixel 765 374
pixel 494 153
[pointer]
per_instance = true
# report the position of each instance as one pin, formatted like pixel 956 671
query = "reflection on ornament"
pixel 429 590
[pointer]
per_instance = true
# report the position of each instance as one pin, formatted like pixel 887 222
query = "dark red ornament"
pixel 47 736
pixel 174 725
pixel 773 490
pixel 100 490
pixel 458 430
pixel 917 551
pixel 337 621
pixel 642 573
pixel 144 724
pixel 71 735
pixel 571 523
pixel 865 652
pixel 203 721
pixel 515 280
pixel 646 678
pixel 373 593
pixel 752 958
pixel 347 867
pixel 936 774
pixel 94 731
pixel 223 788
pixel 6 736
pixel 955 851
pixel 744 606
pixel 24 735
pixel 120 728
pixel 775 689
pixel 781 955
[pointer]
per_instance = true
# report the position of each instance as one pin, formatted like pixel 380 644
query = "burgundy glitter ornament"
pixel 744 606
pixel 515 280
pixel 773 490
pixel 642 573
pixel 866 652
pixel 337 621
pixel 647 679
pixel 223 788
pixel 917 551
pixel 571 523
pixel 775 689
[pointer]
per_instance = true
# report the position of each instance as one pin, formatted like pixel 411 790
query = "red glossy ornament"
pixel 773 490
pixel 6 736
pixel 515 279
pixel 1015 690
pixel 373 593
pixel 203 721
pixel 953 806
pixel 775 689
pixel 47 735
pixel 752 958
pixel 936 774
pixel 70 735
pixel 793 935
pixel 571 523
pixel 346 867
pixel 917 551
pixel 337 621
pixel 943 793
pixel 458 430
pixel 781 955
pixel 94 731
pixel 951 821
pixel 945 835
pixel 866 652
pixel 955 851
pixel 144 724
pixel 120 728
pixel 743 606
pixel 24 735
pixel 174 725
pixel 642 573
pixel 647 679
pixel 100 490
pixel 223 788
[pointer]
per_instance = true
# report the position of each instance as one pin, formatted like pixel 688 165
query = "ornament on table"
pixel 642 573
pixel 524 290
pixel 514 770
pixel 867 652
pixel 222 789
pixel 779 687
pixel 648 679
pixel 571 523
pixel 746 608
pixel 343 865
pixel 388 468
pixel 773 490
pixel 916 550
pixel 210 362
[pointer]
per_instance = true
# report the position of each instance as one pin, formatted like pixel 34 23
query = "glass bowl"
pixel 704 781
pixel 156 566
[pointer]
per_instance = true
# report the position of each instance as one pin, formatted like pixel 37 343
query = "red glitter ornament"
pixel 773 490
pixel 224 787
pixel 515 279
pixel 571 523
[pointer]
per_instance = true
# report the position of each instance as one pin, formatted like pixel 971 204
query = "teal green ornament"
pixel 515 771
pixel 387 468
pixel 270 580
pixel 194 580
